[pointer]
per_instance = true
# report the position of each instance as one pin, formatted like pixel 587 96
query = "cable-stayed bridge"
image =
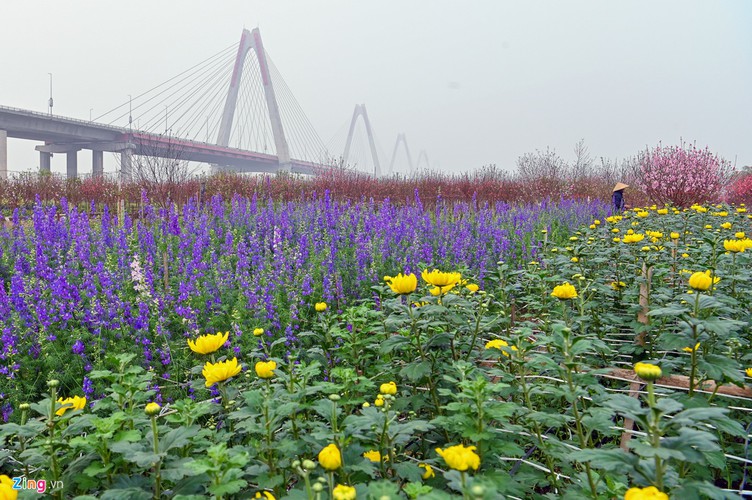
pixel 232 111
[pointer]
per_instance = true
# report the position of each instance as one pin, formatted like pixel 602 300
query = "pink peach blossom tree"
pixel 682 175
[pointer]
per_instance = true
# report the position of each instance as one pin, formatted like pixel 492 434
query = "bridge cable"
pixel 125 104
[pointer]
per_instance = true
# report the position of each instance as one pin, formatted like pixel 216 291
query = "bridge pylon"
pixel 360 111
pixel 401 139
pixel 252 40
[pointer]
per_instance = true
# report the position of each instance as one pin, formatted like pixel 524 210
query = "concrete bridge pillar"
pixel 97 163
pixel 126 160
pixel 72 164
pixel 3 154
pixel 45 162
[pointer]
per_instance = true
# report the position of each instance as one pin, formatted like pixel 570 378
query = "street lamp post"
pixel 50 102
pixel 90 110
pixel 130 112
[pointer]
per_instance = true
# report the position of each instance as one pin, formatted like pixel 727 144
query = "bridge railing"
pixel 61 117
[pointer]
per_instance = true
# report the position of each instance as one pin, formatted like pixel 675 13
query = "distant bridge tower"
pixel 401 139
pixel 422 156
pixel 252 40
pixel 360 110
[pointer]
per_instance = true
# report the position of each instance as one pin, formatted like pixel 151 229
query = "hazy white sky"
pixel 471 83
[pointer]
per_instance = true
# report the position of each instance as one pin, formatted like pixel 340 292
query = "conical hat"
pixel 620 185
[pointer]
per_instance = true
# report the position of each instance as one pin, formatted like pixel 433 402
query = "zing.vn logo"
pixel 40 486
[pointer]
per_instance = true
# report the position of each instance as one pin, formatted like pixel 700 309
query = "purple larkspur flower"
pixel 78 347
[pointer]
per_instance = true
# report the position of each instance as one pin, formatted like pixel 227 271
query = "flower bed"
pixel 427 388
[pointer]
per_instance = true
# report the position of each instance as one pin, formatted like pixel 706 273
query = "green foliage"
pixel 524 378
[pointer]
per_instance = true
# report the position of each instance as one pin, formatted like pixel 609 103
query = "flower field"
pixel 248 349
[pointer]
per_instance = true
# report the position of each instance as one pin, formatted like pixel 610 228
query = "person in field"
pixel 618 196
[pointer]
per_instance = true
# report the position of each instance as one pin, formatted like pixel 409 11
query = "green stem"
pixel 578 421
pixel 291 390
pixel 475 332
pixel 268 427
pixel 538 434
pixel 655 435
pixel 158 465
pixel 693 361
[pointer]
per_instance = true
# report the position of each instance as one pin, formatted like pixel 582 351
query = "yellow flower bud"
pixel 330 457
pixel 152 409
pixel 647 372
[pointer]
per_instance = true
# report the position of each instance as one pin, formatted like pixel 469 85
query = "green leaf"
pixel 96 468
pixel 416 371
pixel 610 460
pixel 128 436
pixel 126 494
pixel 383 489
pixel 409 471
pixel 415 490
pixel 393 343
pixel 228 487
pixel 177 438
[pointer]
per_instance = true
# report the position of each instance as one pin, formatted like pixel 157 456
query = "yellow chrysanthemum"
pixel 740 235
pixel 460 457
pixel 702 280
pixel 662 211
pixel 674 235
pixel 77 402
pixel 472 287
pixel 440 279
pixel 344 492
pixel 564 292
pixel 575 259
pixel 330 457
pixel 440 290
pixel 258 332
pixel 388 388
pixel 402 284
pixel 498 344
pixel 6 488
pixel 221 371
pixel 379 401
pixel 375 456
pixel 734 246
pixel 320 306
pixel 649 493
pixel 618 285
pixel 748 371
pixel 209 343
pixel 726 225
pixel 633 238
pixel 265 369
